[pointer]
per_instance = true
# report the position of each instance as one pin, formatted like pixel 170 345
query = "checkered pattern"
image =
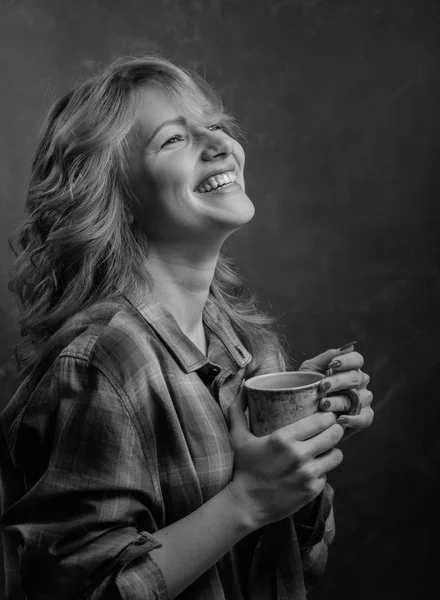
pixel 119 431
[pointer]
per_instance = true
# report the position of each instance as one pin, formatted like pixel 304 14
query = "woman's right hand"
pixel 276 475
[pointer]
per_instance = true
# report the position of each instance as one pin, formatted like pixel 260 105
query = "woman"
pixel 128 469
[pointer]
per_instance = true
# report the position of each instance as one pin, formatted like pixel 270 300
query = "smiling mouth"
pixel 216 181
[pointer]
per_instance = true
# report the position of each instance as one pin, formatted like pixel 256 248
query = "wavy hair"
pixel 77 244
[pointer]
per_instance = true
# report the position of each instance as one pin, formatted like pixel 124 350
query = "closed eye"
pixel 215 127
pixel 174 139
pixel 181 138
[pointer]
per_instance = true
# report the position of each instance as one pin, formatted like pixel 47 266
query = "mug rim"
pixel 283 389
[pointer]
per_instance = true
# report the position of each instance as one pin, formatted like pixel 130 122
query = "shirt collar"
pixel 185 352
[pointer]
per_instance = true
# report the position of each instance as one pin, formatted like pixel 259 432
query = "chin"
pixel 238 215
pixel 248 214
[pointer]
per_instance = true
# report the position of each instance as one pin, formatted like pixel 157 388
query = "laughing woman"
pixel 127 466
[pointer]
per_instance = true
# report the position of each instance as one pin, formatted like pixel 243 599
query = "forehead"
pixel 156 104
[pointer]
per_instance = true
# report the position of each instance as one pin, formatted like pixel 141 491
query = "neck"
pixel 181 283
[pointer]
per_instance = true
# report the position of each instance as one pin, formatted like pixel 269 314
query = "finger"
pixel 366 396
pixel 324 441
pixel 345 380
pixel 310 426
pixel 343 402
pixel 328 461
pixel 358 422
pixel 367 379
pixel 335 403
pixel 238 423
pixel 320 362
pixel 346 362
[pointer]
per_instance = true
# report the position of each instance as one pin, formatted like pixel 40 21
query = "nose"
pixel 216 144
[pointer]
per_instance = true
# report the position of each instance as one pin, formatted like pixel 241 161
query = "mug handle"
pixel 355 401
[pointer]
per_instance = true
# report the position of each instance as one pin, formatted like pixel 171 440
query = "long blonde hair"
pixel 77 244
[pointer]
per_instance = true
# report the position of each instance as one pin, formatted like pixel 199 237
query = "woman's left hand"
pixel 342 368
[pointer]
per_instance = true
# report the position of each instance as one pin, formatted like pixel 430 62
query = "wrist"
pixel 243 517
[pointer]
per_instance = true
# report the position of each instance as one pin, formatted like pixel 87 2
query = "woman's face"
pixel 186 173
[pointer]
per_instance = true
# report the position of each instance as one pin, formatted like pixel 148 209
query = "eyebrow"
pixel 175 121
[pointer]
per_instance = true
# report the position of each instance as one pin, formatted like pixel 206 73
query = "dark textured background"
pixel 340 104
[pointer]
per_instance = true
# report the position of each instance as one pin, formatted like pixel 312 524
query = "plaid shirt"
pixel 119 431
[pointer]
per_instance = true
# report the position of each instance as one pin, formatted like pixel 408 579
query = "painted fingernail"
pixel 326 386
pixel 345 346
pixel 335 364
pixel 325 405
pixel 342 421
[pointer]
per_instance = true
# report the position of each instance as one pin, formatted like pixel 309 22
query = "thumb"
pixel 238 424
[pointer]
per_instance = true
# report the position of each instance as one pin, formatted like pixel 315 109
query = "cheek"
pixel 239 155
pixel 155 187
pixel 174 177
pixel 239 151
pixel 172 192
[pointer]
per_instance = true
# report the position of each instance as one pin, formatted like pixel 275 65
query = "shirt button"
pixel 215 370
pixel 140 540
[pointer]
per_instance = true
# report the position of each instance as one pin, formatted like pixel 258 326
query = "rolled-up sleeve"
pixel 85 525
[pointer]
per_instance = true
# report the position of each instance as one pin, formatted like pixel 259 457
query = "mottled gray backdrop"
pixel 340 104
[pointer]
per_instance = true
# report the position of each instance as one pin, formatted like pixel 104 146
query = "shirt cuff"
pixel 138 576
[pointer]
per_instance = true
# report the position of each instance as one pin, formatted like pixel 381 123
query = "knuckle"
pixel 367 398
pixel 315 486
pixel 316 420
pixel 336 381
pixel 278 439
pixel 357 379
pixel 307 476
pixel 298 454
pixel 323 419
pixel 367 379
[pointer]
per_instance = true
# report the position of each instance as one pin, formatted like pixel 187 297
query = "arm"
pixel 192 545
pixel 87 526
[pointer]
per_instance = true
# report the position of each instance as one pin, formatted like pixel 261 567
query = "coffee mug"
pixel 278 399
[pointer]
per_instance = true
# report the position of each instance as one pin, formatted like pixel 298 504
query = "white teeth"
pixel 216 181
pixel 213 182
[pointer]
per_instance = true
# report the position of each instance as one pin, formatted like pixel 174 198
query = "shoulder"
pixel 89 363
pixel 111 337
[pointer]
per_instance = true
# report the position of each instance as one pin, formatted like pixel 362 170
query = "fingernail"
pixel 335 364
pixel 342 421
pixel 326 386
pixel 345 346
pixel 325 405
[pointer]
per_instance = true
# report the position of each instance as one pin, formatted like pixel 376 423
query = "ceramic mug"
pixel 278 399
